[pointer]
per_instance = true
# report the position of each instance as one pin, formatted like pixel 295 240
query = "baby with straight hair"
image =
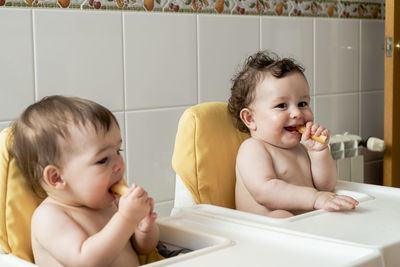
pixel 279 171
pixel 69 150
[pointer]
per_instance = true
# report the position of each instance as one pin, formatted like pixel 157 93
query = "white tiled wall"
pixel 224 42
pixel 339 112
pixel 16 62
pixel 160 60
pixel 79 53
pixel 337 55
pixel 290 38
pixel 148 68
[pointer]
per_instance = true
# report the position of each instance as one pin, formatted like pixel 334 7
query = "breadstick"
pixel 321 138
pixel 119 189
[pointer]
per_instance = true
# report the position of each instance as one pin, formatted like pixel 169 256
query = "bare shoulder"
pixel 254 160
pixel 48 219
pixel 46 210
pixel 252 147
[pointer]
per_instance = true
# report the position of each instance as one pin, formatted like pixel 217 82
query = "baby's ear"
pixel 246 115
pixel 52 177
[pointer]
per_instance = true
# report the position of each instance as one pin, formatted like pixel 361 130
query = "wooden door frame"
pixel 391 159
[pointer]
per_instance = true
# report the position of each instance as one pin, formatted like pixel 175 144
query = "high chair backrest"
pixel 205 151
pixel 17 204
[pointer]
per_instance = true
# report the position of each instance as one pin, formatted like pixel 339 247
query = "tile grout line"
pixel 359 79
pixel 35 79
pixel 260 33
pixel 313 61
pixel 198 57
pixel 124 104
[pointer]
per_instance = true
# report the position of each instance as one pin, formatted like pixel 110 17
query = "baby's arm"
pixel 255 166
pixel 71 245
pixel 147 233
pixel 323 168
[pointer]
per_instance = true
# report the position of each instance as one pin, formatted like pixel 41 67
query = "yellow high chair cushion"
pixel 205 152
pixel 17 204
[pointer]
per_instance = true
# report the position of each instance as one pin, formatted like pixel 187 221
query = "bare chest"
pixel 292 165
pixel 92 221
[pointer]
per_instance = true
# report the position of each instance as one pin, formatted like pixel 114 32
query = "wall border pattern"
pixel 306 8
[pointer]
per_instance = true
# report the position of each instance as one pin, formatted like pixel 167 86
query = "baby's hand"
pixel 134 204
pixel 332 202
pixel 317 130
pixel 147 222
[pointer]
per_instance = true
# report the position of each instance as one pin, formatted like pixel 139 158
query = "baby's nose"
pixel 118 166
pixel 295 113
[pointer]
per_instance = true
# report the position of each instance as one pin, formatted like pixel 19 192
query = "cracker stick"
pixel 321 138
pixel 119 189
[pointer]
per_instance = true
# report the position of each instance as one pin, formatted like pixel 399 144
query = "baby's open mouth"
pixel 290 128
pixel 111 192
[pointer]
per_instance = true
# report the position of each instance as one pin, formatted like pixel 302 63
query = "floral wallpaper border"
pixel 306 8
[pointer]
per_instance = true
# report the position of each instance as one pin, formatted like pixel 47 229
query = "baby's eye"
pixel 303 104
pixel 102 161
pixel 281 106
pixel 119 151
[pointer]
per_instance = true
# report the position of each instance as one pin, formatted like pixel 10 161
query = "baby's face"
pixel 279 106
pixel 92 164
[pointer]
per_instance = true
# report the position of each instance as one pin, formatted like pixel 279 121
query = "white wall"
pixel 149 67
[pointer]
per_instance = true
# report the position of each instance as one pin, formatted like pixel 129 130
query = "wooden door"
pixel 391 160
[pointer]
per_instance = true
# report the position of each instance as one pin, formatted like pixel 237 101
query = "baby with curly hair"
pixel 280 172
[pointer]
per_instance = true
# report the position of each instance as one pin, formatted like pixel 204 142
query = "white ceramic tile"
pixel 80 53
pixel 150 142
pixel 336 57
pixel 338 113
pixel 163 209
pixel 224 43
pixel 372 54
pixel 290 37
pixel 312 103
pixel 120 116
pixel 16 62
pixel 4 124
pixel 160 60
pixel 372 105
pixel 344 169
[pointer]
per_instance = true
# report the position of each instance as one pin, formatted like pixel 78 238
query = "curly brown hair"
pixel 38 130
pixel 253 72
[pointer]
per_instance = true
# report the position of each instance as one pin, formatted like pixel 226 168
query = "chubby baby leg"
pixel 280 214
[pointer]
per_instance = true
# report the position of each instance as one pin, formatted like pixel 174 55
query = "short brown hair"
pixel 254 70
pixel 37 130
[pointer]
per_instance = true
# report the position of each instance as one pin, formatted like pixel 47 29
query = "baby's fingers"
pixel 332 205
pixel 340 202
pixel 139 192
pixel 129 190
pixel 347 201
pixel 151 202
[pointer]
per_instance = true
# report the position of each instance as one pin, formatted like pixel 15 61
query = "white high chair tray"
pixel 367 236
